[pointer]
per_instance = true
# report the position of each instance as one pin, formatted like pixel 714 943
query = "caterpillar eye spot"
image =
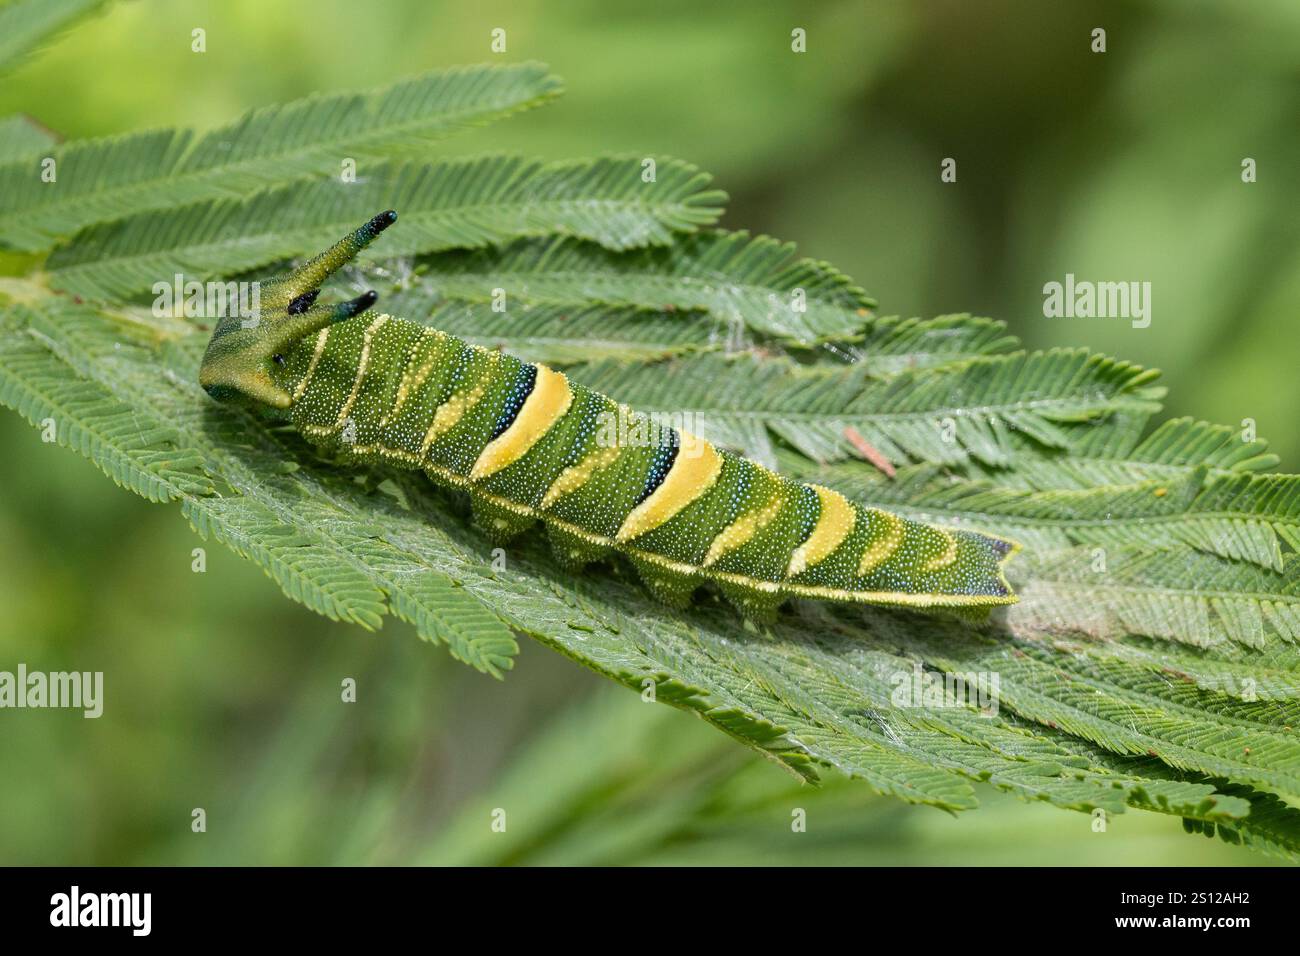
pixel 279 360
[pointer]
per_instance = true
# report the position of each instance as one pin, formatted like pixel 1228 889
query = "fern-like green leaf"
pixel 102 179
pixel 890 345
pixel 338 567
pixel 1121 455
pixel 1196 599
pixel 145 456
pixel 982 409
pixel 883 347
pixel 455 204
pixel 1129 710
pixel 756 283
pixel 21 137
pixel 26 25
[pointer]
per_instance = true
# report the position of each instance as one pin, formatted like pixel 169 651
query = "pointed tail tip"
pixel 1000 545
pixel 1004 548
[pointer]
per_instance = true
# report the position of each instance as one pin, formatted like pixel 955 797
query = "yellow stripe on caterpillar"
pixel 366 339
pixel 413 378
pixel 834 524
pixel 450 413
pixel 948 556
pixel 690 476
pixel 321 339
pixel 742 530
pixel 881 549
pixel 545 405
pixel 575 476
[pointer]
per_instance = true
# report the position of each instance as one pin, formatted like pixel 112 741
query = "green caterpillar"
pixel 528 444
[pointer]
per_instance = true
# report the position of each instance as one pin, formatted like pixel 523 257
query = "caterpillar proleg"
pixel 530 446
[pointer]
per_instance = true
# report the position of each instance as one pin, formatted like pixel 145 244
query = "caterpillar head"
pixel 244 349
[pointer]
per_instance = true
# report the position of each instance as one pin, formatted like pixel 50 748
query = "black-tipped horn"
pixel 291 328
pixel 381 222
pixel 346 310
pixel 314 272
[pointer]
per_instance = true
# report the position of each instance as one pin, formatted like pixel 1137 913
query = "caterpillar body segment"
pixel 531 446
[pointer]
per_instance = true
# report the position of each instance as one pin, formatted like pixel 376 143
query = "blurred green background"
pixel 223 695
